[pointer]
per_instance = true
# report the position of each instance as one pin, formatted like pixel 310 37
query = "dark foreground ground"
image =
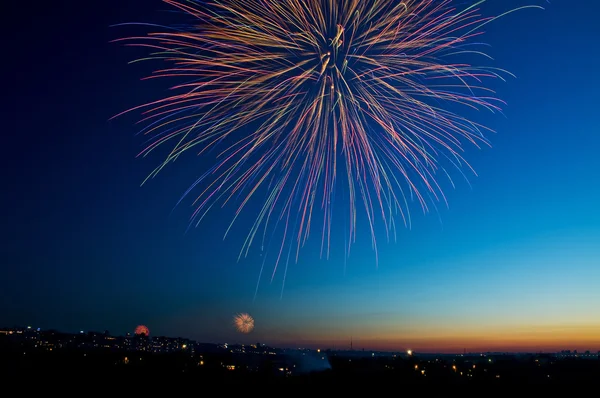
pixel 79 371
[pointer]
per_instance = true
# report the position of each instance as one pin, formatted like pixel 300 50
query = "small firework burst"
pixel 142 330
pixel 244 323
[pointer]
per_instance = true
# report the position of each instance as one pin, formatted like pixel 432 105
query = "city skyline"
pixel 350 344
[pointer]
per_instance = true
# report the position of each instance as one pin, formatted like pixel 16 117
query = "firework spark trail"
pixel 303 92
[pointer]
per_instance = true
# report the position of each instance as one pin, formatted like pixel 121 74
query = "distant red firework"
pixel 141 329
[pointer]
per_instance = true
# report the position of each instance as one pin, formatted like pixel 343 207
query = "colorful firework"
pixel 244 323
pixel 312 97
pixel 142 330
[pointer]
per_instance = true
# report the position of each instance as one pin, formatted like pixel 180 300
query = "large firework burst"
pixel 310 97
pixel 244 323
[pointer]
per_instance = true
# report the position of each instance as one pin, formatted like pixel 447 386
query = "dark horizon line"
pixel 390 351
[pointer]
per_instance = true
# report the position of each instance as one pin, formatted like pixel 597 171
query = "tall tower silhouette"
pixel 350 343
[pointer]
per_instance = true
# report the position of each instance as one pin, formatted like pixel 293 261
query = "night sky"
pixel 512 264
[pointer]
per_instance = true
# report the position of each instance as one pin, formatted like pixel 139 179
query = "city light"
pixel 429 367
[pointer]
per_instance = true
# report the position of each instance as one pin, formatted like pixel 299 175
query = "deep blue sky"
pixel 84 247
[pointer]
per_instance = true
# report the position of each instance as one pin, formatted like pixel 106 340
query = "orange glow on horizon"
pixel 549 338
